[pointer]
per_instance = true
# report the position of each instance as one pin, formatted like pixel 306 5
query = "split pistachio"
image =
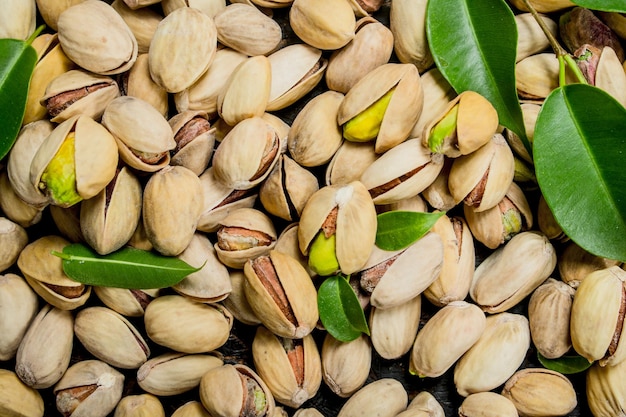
pixel 129 303
pixel 349 162
pixel 142 21
pixel 195 139
pixel 438 93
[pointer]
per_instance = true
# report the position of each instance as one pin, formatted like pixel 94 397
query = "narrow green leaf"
pixel 398 229
pixel 570 364
pixel 125 268
pixel 17 63
pixel 340 311
pixel 603 5
pixel 579 151
pixel 474 45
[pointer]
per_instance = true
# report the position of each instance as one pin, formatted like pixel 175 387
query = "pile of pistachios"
pixel 258 140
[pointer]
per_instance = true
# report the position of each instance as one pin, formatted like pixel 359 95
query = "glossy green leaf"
pixel 474 43
pixel 340 311
pixel 398 229
pixel 17 63
pixel 125 268
pixel 579 148
pixel 603 5
pixel 569 364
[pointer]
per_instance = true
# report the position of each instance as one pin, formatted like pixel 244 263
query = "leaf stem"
pixel 36 33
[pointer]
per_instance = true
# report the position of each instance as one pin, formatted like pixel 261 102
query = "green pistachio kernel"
pixel 322 257
pixel 260 401
pixel 365 126
pixel 443 131
pixel 512 222
pixel 59 177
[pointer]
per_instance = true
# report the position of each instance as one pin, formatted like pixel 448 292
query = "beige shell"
pixel 197 153
pixel 487 404
pixel 393 330
pixel 371 47
pixel 129 303
pixel 610 75
pixel 68 222
pixel 94 36
pixel 138 83
pixel 108 220
pixel 437 94
pixel 540 392
pixel 44 353
pixel 346 365
pixel 547 223
pixel 237 303
pixel 423 404
pixel 408 25
pixel 324 24
pixel 30 403
pixel 14 208
pixel 13 239
pixel 544 6
pixel 50 10
pixel 575 263
pixel 18 20
pixel 208 7
pixel 296 69
pixel 384 397
pixel 404 107
pixel 438 193
pixel 287 243
pixel 18 307
pixel 530 111
pixel 349 162
pixel 531 39
pixel 314 136
pixel 247 30
pixel 402 172
pixel 111 338
pixel 187 326
pixel 182 48
pixel 175 373
pixel 139 405
pixel 142 22
pixel 191 409
pixel 537 75
pixel 605 389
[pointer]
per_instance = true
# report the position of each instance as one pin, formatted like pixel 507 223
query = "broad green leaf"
pixel 603 5
pixel 340 311
pixel 17 63
pixel 125 268
pixel 579 149
pixel 565 364
pixel 474 45
pixel 398 229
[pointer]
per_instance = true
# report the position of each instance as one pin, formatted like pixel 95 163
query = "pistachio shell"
pixel 191 409
pixel 237 303
pixel 18 19
pixel 423 404
pixel 487 404
pixel 18 399
pixel 325 24
pixel 544 6
pixel 140 405
pixel 537 75
pixel 142 21
pixel 18 307
pixel 408 25
pixel 208 7
pixel 247 30
pixel 50 10
pixel 385 397
pixel 346 365
pixel 138 83
pixel 129 303
pixel 393 330
pixel 13 207
pixel 605 389
pixel 13 239
pixel 195 139
pixel 610 75
pixel 531 39
pixel 575 264
pixel 437 93
pixel 349 162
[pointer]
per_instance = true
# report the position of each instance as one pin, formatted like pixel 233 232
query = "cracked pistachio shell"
pixel 18 307
pixel 291 314
pixel 496 355
pixel 195 138
pixel 202 95
pixel 512 272
pixel 95 156
pixel 291 369
pixel 402 172
pixel 129 303
pixel 78 92
pixel 371 47
pixel 457 269
pixel 531 39
pixel 13 239
pixel 355 225
pixel 211 283
pixel 246 29
pixel 404 107
pixel 606 389
pixel 187 326
pixel 476 123
pixel 237 303
pixel 575 264
pixel 497 225
pixel 18 399
pixel 346 365
pixel 182 48
pixel 482 178
pixel 445 337
pixel 141 21
pixel 597 314
pixel 138 83
pixel 246 156
pixel 220 200
pixel 438 93
pixel 349 162
pixel 172 204
pixel 393 330
pixel 487 404
pixel 139 405
pixel 94 36
pixel 407 20
pixel 287 189
pixel 423 404
pixel 143 136
pixel 224 392
pixel 111 338
pixel 89 388
pixel 44 273
pixel 539 392
pixel 108 220
pixel 296 69
pixel 175 373
pixel 324 24
pixel 544 6
pixel 44 353
pixel 385 397
pixel 191 409
pixel 18 19
pixel 314 136
pixel 438 193
pixel 610 75
pixel 247 91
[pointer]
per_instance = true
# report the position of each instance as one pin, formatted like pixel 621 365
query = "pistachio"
pixel 237 303
pixel 408 25
pixel 18 307
pixel 129 303
pixel 487 404
pixel 393 330
pixel 605 389
pixel 423 404
pixel 547 223
pixel 247 30
pixel 543 6
pixel 385 397
pixel 530 111
pixel 580 26
pixel 537 75
pixel 610 75
pixel 67 220
pixel 13 239
pixel 138 83
pixel 438 93
pixel 346 365
pixel 325 24
pixel 140 405
pixel 575 264
pixel 191 409
pixel 531 39
pixel 195 138
pixel 142 21
pixel 18 19
pixel 14 208
pixel 208 7
pixel 438 193
pixel 349 162
pixel 50 10
pixel 17 398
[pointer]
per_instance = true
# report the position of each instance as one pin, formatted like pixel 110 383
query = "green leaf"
pixel 579 151
pixel 126 268
pixel 17 63
pixel 474 45
pixel 340 311
pixel 603 5
pixel 398 229
pixel 565 364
